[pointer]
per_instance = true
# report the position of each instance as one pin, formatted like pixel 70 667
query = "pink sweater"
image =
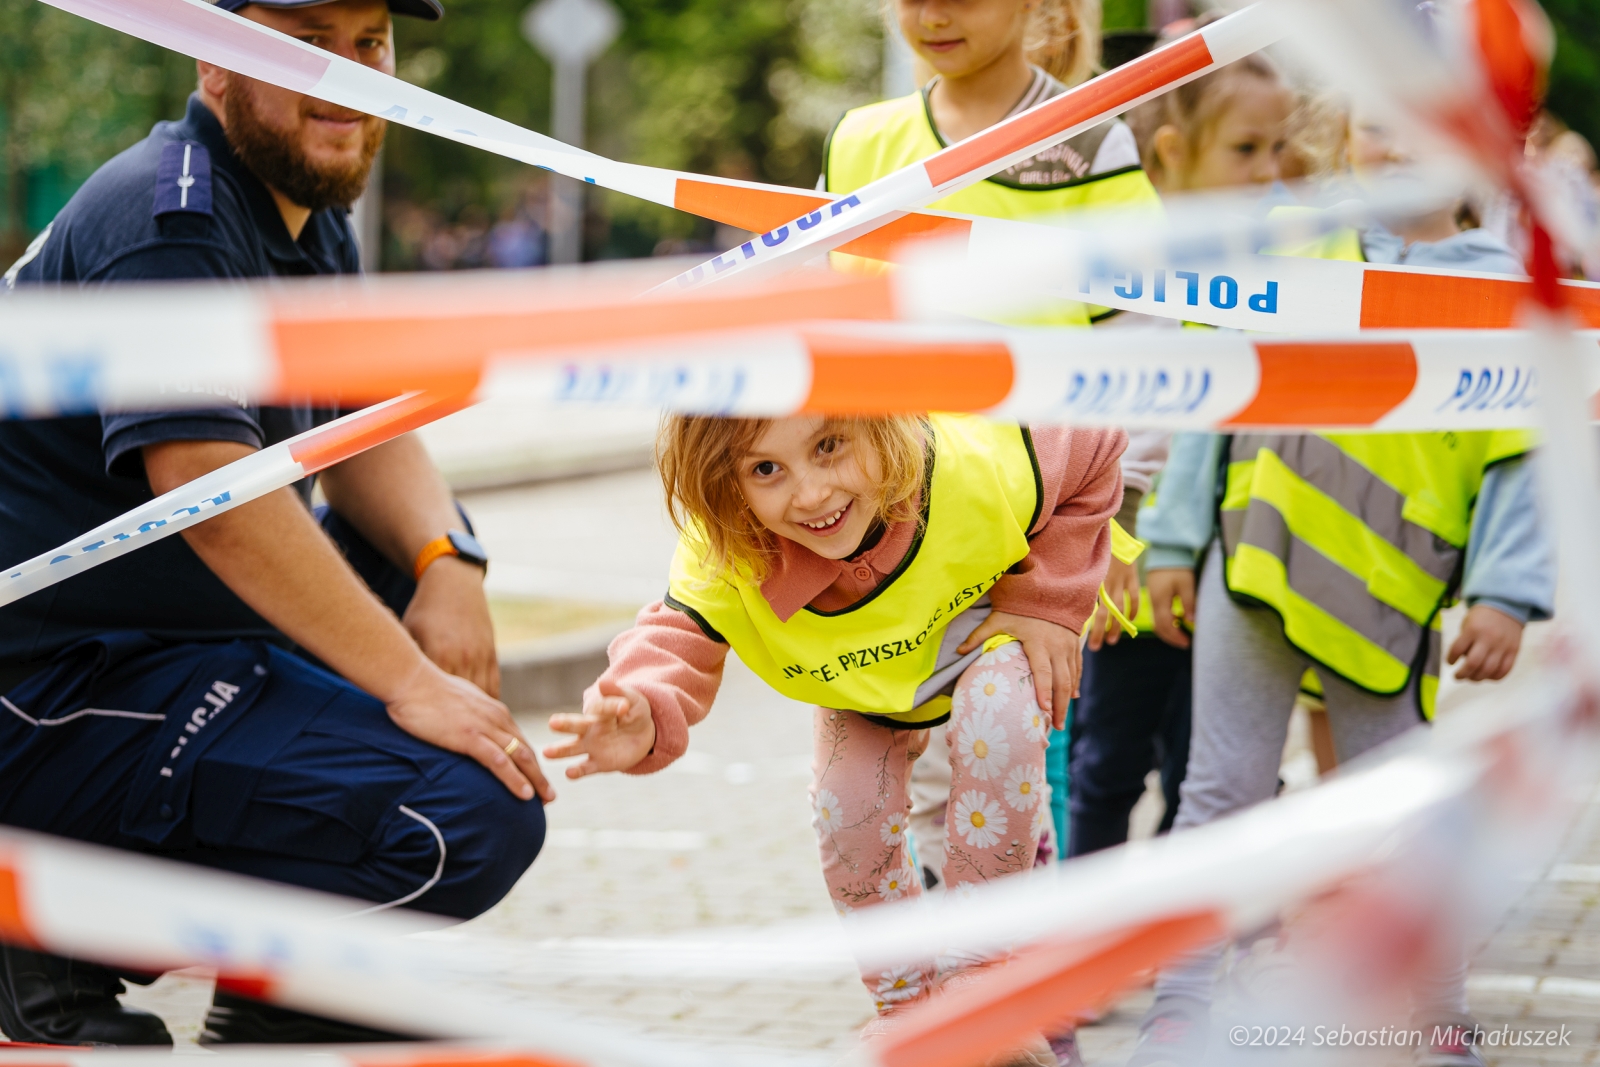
pixel 678 668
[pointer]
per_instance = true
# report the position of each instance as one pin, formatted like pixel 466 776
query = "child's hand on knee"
pixel 1487 646
pixel 615 731
pixel 1054 656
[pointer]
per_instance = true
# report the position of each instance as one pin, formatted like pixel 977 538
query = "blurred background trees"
pixel 741 88
pixel 71 96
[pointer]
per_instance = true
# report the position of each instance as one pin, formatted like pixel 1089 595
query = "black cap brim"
pixel 428 10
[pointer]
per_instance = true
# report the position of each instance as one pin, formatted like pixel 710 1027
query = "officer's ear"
pixel 213 83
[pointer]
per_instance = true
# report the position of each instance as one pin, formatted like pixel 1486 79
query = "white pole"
pixel 571 33
pixel 366 218
pixel 566 194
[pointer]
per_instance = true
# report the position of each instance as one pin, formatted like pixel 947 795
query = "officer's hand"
pixel 449 618
pixel 615 731
pixel 1164 586
pixel 1054 656
pixel 1487 646
pixel 454 714
pixel 1122 586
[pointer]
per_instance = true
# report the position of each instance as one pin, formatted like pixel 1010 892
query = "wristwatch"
pixel 456 543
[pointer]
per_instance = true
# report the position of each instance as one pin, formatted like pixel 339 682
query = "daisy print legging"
pixel 998 799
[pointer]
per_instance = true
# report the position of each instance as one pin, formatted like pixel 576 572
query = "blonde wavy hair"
pixel 1064 39
pixel 698 459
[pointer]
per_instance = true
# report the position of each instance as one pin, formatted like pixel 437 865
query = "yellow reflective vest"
pixel 984 493
pixel 878 139
pixel 1356 539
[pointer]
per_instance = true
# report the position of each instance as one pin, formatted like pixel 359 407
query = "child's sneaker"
pixel 1172 1033
pixel 1447 1041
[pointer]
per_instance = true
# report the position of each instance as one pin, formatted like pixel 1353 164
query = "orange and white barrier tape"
pixel 293 947
pixel 997 147
pixel 1310 298
pixel 1164 379
pixel 778 346
pixel 195 28
pixel 244 480
pixel 71 351
pixel 999 267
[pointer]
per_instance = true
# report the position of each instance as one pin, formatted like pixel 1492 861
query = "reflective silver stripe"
pixel 1380 506
pixel 1430 666
pixel 438 872
pixel 1328 585
pixel 104 713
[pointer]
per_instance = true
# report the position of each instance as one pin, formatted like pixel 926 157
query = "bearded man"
pixel 305 697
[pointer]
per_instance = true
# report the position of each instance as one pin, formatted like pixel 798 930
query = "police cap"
pixel 422 9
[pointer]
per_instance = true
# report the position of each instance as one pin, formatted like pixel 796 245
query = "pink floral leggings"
pixel 999 801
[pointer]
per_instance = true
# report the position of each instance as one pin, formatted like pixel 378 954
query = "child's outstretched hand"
pixel 1054 656
pixel 615 731
pixel 1487 646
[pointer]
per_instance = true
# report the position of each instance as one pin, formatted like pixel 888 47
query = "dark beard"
pixel 278 160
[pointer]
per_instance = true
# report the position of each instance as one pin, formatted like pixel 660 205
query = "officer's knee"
pixel 489 846
pixel 513 839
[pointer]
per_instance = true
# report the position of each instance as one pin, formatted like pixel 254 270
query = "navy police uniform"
pixel 145 705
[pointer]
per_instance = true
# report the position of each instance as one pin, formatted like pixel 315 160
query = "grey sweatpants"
pixel 1246 675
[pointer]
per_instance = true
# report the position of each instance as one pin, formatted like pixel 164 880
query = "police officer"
pixel 300 701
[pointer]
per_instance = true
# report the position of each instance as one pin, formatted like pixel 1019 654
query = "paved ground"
pixel 724 838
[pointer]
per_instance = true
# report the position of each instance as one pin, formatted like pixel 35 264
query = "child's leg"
pixel 998 739
pixel 859 808
pixel 1173 751
pixel 1359 721
pixel 1116 722
pixel 930 796
pixel 1057 759
pixel 1245 679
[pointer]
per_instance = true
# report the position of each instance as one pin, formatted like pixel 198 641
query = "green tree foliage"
pixel 743 89
pixel 72 95
pixel 1124 14
pixel 1575 74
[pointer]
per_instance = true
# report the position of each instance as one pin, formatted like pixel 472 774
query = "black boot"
pixel 52 1000
pixel 237 1020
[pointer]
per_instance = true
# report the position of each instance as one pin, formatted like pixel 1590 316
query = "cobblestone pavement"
pixel 723 838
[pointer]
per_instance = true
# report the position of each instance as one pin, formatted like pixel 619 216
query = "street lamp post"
pixel 571 34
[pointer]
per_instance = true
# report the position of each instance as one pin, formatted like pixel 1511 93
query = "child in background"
pixel 993 59
pixel 1225 130
pixel 898 573
pixel 1334 552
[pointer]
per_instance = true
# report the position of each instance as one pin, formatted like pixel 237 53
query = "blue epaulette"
pixel 183 184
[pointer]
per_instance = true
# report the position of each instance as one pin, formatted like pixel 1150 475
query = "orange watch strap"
pixel 439 546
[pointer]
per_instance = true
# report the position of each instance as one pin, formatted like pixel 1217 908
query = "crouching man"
pixel 303 697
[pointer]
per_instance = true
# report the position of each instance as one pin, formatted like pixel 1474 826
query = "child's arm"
pixel 1045 599
pixel 1146 454
pixel 1509 574
pixel 664 673
pixel 1178 518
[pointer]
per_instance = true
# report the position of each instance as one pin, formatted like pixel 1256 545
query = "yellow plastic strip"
pixel 1124 545
pixel 1116 613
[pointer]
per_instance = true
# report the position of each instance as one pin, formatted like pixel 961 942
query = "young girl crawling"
pixel 898 573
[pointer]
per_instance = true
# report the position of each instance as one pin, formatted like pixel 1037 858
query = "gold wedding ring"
pixel 512 746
